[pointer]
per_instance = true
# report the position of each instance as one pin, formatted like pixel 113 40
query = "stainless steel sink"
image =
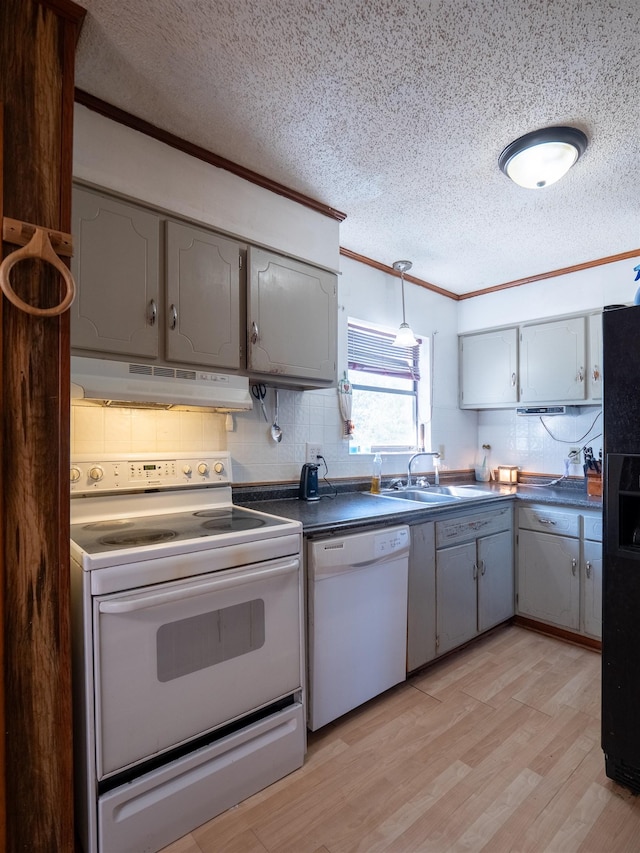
pixel 426 496
pixel 440 494
pixel 464 491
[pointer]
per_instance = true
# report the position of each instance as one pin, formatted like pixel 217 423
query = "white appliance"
pixel 187 617
pixel 102 380
pixel 357 619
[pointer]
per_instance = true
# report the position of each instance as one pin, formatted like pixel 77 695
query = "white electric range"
pixel 187 620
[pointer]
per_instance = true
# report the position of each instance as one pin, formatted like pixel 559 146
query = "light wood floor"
pixel 496 748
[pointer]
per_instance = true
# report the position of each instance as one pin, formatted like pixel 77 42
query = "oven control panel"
pixel 113 472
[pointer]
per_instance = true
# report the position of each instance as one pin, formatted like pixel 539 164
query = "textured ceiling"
pixel 396 112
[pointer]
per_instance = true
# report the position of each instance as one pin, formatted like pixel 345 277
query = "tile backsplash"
pixel 309 416
pixel 313 416
pixel 256 457
pixel 99 429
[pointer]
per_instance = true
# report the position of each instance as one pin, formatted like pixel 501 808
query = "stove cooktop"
pixel 98 537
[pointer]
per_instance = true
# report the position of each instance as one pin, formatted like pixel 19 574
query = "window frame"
pixel 380 338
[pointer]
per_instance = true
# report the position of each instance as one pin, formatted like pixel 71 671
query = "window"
pixel 390 390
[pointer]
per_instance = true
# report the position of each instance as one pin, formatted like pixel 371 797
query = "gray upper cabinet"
pixel 595 356
pixel 489 368
pixel 116 265
pixel 553 362
pixel 291 321
pixel 151 287
pixel 186 309
pixel 203 297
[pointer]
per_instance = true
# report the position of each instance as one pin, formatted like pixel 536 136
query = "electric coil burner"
pixel 188 657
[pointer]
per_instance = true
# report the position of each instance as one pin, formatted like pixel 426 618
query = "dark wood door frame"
pixel 37 48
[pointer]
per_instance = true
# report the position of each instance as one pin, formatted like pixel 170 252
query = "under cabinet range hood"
pixel 544 410
pixel 113 383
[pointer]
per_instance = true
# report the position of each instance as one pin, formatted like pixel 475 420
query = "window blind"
pixel 372 350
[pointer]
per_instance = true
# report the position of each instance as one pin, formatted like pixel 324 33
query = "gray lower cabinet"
pixel 474 575
pixel 461 581
pixel 559 574
pixel 421 605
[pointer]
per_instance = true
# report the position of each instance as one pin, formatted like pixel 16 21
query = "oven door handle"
pixel 142 602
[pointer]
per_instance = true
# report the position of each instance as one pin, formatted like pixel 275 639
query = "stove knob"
pixel 218 468
pixel 96 473
pixel 203 468
pixel 186 469
pixel 74 474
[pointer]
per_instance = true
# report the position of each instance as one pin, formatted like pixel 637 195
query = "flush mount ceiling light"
pixel 542 157
pixel 405 337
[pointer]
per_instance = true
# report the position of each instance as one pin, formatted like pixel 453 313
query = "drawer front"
pixel 465 527
pixel 564 522
pixel 593 526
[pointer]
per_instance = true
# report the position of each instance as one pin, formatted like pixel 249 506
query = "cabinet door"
pixel 456 596
pixel 488 369
pixel 203 297
pixel 553 362
pixel 421 608
pixel 116 267
pixel 548 578
pixel 592 579
pixel 594 376
pixel 292 319
pixel 495 580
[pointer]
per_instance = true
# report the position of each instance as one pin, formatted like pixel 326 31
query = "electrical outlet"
pixel 574 455
pixel 313 451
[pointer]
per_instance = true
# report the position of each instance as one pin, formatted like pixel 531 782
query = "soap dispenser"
pixel 376 475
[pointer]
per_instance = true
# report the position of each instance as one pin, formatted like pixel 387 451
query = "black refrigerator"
pixel 621 546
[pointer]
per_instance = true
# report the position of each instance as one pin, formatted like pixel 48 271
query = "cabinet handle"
pixel 152 312
pixel 173 315
pixel 596 373
pixel 475 571
pixel 484 568
pixel 513 380
pixel 546 521
pixel 588 568
pixel 254 332
pixel 580 376
pixel 574 566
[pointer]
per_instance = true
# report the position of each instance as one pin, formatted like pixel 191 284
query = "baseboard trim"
pixel 560 633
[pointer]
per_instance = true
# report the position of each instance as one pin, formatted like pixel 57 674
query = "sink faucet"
pixel 434 454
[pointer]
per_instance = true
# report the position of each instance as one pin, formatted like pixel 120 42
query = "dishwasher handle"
pixel 324 572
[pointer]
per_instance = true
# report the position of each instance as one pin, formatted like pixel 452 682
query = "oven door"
pixel 177 660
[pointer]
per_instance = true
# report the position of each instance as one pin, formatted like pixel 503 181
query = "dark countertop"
pixel 348 510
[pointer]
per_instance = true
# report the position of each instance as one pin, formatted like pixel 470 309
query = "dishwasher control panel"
pixel 391 541
pixel 343 553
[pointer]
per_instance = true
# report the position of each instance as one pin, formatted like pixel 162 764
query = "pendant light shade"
pixel 542 157
pixel 405 337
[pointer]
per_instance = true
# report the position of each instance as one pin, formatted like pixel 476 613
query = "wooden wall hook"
pixel 36 242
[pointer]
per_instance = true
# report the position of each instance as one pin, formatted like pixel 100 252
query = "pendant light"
pixel 541 158
pixel 405 337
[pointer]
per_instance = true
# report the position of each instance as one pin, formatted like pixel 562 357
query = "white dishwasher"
pixel 357 619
